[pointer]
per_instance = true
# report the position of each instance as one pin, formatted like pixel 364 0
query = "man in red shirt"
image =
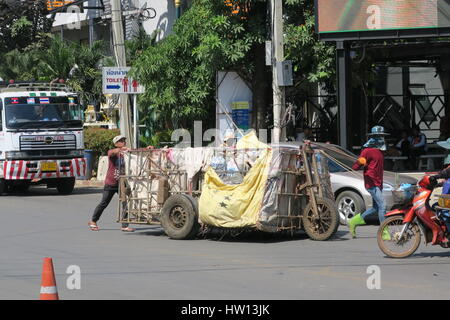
pixel 371 159
pixel 116 167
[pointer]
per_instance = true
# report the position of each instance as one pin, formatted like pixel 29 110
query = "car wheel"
pixel 349 204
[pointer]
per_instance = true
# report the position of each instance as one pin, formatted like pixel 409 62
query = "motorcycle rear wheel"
pixel 398 248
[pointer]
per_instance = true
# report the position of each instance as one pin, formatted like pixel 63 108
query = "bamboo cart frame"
pixel 152 179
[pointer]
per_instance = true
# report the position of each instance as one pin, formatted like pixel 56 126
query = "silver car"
pixel 348 185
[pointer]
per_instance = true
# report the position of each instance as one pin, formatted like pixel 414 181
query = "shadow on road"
pixel 156 231
pixel 43 192
pixel 265 237
pixel 243 237
pixel 443 254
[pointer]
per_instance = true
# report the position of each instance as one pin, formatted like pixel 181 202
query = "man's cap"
pixel 377 130
pixel 118 138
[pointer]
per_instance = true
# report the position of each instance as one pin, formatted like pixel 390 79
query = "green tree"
pixel 78 64
pixel 22 24
pixel 179 72
pixel 19 66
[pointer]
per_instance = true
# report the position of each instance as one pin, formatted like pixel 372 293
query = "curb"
pixel 89 183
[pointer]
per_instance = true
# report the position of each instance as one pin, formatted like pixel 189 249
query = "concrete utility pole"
pixel 279 134
pixel 343 82
pixel 121 61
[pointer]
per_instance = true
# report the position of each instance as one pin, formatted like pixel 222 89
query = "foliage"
pixel 19 66
pixel 313 60
pixel 159 139
pixel 86 78
pixel 138 44
pixel 22 24
pixel 179 72
pixel 99 140
pixel 78 64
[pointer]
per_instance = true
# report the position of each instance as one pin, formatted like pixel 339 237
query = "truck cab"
pixel 41 137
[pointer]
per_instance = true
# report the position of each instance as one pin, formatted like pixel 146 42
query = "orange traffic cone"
pixel 48 283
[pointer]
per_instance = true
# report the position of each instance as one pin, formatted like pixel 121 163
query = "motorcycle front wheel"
pixel 389 241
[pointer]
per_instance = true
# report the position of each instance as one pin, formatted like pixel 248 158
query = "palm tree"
pixel 19 66
pixel 58 60
pixel 87 76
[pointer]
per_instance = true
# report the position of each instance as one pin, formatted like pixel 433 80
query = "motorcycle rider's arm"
pixel 444 174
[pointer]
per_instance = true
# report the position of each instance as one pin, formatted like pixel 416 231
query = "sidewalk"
pixel 89 183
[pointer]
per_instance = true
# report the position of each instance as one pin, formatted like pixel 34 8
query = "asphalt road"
pixel 148 265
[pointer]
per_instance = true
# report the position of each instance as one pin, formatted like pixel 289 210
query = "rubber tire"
pixel 3 186
pixel 190 227
pixel 404 254
pixel 358 201
pixel 334 224
pixel 65 186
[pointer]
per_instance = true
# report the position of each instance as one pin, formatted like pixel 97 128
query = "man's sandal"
pixel 127 229
pixel 93 226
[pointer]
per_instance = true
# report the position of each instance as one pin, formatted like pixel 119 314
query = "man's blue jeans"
pixel 378 204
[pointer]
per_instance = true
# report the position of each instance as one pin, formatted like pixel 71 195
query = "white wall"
pixel 163 22
pixel 165 17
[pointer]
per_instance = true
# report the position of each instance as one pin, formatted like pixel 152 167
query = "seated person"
pixel 401 148
pixel 45 113
pixel 404 144
pixel 418 146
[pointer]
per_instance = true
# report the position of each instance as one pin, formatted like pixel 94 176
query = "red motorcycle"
pixel 399 235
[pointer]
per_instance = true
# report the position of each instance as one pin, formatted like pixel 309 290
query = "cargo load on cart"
pixel 251 186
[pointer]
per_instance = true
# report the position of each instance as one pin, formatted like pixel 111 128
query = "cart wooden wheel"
pixel 179 217
pixel 323 225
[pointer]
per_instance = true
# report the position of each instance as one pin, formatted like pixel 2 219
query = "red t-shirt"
pixel 373 171
pixel 115 169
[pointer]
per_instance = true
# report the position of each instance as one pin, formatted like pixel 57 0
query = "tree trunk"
pixel 261 88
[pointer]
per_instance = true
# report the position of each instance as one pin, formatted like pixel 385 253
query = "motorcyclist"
pixel 444 174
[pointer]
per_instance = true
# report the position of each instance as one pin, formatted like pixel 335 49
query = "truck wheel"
pixel 65 185
pixel 326 224
pixel 179 217
pixel 2 186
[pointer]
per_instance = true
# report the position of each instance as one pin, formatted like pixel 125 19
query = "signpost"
pixel 116 80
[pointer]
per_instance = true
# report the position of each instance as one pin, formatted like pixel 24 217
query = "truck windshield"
pixel 38 115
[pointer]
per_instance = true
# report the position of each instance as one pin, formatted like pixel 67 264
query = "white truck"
pixel 41 137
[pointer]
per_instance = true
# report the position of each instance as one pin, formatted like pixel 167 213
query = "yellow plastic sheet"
pixel 234 206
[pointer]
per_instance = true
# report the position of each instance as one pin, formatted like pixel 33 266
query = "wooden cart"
pixel 156 190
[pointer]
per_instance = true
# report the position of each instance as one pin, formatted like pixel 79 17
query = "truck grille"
pixel 48 142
